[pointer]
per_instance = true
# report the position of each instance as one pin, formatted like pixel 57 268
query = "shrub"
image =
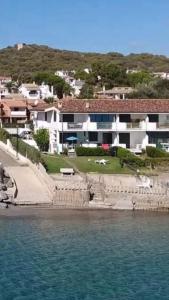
pixel 129 158
pixel 156 161
pixel 113 151
pixel 83 151
pixel 42 139
pixel 4 135
pixel 26 150
pixel 156 152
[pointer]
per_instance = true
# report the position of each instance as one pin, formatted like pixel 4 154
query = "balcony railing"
pixel 133 125
pixel 75 125
pixel 104 125
pixel 163 125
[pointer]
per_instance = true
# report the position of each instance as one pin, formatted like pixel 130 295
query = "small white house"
pixel 30 91
pixel 3 92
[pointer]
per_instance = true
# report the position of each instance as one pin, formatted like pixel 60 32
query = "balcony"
pixel 163 125
pixel 75 125
pixel 133 125
pixel 18 114
pixel 104 125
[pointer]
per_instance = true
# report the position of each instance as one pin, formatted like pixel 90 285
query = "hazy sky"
pixel 88 25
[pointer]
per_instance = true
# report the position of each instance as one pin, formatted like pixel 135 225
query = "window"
pixel 46 116
pixel 153 118
pixel 102 118
pixel 124 118
pixel 93 136
pixel 54 116
pixel 68 118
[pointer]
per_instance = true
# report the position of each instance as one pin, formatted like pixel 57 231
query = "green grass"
pixel 54 163
pixel 88 165
pixel 85 164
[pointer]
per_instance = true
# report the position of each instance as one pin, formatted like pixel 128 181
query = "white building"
pixel 162 75
pixel 5 79
pixel 133 124
pixel 3 92
pixel 46 91
pixel 68 76
pixel 30 91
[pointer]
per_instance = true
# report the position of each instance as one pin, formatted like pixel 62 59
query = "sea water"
pixel 91 255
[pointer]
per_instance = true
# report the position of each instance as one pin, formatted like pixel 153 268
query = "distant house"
pixel 5 79
pixel 3 92
pixel 68 76
pixel 116 93
pixel 30 91
pixel 14 111
pixel 162 75
pixel 77 86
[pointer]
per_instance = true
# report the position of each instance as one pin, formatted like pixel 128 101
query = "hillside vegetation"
pixel 33 58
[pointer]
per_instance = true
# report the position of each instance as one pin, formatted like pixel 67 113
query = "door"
pixel 107 138
pixel 124 138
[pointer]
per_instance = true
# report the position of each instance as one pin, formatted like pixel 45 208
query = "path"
pixel 30 188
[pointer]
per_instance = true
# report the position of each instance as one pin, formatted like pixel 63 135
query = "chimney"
pixel 59 104
pixel 87 105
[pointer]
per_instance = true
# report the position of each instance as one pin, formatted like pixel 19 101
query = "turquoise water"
pixel 84 255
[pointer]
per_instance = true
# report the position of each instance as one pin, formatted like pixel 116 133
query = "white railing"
pixel 18 113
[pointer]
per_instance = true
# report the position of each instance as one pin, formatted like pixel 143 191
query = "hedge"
pixel 156 161
pixel 126 157
pixel 83 151
pixel 26 150
pixel 156 152
pixel 4 135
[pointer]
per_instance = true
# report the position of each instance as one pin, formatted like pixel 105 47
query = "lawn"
pixel 54 163
pixel 88 165
pixel 85 164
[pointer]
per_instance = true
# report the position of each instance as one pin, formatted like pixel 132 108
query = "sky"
pixel 125 26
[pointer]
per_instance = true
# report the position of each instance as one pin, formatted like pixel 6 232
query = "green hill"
pixel 34 58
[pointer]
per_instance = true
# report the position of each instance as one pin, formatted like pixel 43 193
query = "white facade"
pixel 141 130
pixel 46 91
pixel 30 91
pixel 3 92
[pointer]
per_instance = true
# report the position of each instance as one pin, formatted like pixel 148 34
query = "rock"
pixel 9 184
pixel 3 205
pixel 3 187
pixel 3 196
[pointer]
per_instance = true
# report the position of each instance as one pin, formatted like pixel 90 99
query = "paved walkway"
pixel 30 188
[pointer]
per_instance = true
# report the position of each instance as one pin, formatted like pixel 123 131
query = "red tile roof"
pixel 109 106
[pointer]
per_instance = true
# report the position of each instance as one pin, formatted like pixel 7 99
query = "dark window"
pixel 124 118
pixel 46 116
pixel 68 118
pixel 102 118
pixel 54 117
pixel 153 118
pixel 158 137
pixel 93 136
pixel 15 108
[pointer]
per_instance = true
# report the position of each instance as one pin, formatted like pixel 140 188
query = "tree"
pixel 141 77
pixel 60 87
pixel 86 92
pixel 110 75
pixel 157 89
pixel 42 139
